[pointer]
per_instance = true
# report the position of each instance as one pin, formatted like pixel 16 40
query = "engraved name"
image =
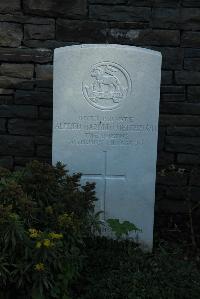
pixel 105 130
pixel 103 126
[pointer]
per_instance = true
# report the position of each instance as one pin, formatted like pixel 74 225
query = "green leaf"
pixel 123 228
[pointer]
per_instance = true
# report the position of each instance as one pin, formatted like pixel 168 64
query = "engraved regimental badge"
pixel 106 85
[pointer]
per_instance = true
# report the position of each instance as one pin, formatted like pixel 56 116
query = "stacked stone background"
pixel 31 29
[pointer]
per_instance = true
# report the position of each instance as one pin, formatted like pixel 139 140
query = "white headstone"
pixel 105 123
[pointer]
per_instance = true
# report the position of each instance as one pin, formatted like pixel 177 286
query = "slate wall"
pixel 31 29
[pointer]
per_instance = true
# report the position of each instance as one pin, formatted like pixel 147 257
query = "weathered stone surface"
pixel 43 140
pixel 167 77
pixel 81 31
pixel 108 1
pixel 70 8
pixel 166 18
pixel 191 52
pixel 166 3
pixel 190 18
pixel 170 97
pixel 22 161
pixel 34 98
pixel 6 162
pixel 155 24
pixel 187 77
pixel 194 93
pixel 24 71
pixel 182 144
pixel 10 34
pixel 155 3
pixel 44 72
pixel 71 139
pixel 172 206
pixel 2 125
pixel 9 6
pixel 155 37
pixel 179 120
pixel 172 58
pixel 16 145
pixel 6 99
pixel 173 93
pixel 45 113
pixel 44 151
pixel 192 64
pixel 18 111
pixel 165 159
pixel 119 13
pixel 44 75
pixel 160 193
pixel 26 19
pixel 195 181
pixel 161 138
pixel 140 3
pixel 29 127
pixel 43 89
pixel 180 108
pixel 188 159
pixel 9 82
pixel 176 193
pixel 129 25
pixel 174 89
pixel 190 39
pixel 25 55
pixel 46 44
pixel 171 180
pixel 32 31
pixel 5 91
pixel 191 3
pixel 184 131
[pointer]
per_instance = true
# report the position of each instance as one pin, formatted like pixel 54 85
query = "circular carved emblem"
pixel 106 85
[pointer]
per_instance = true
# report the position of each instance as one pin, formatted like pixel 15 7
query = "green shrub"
pixel 120 270
pixel 48 250
pixel 45 216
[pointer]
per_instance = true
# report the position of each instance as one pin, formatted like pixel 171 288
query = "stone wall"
pixel 31 29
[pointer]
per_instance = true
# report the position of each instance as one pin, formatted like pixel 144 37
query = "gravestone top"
pixel 107 46
pixel 105 124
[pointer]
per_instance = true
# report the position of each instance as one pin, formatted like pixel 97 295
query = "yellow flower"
pixel 65 220
pixel 32 230
pixel 39 267
pixel 33 233
pixel 55 236
pixel 38 244
pixel 47 243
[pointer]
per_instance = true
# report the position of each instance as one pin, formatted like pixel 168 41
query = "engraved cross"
pixel 105 177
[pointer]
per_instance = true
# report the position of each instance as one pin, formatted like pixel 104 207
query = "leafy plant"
pixel 186 190
pixel 44 221
pixel 120 270
pixel 122 229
